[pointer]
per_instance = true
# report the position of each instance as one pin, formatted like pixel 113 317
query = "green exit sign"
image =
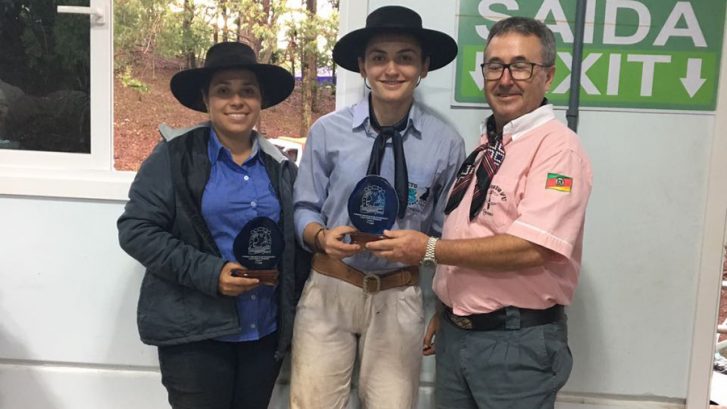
pixel 649 54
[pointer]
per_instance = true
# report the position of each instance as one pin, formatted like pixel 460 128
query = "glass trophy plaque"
pixel 372 208
pixel 258 247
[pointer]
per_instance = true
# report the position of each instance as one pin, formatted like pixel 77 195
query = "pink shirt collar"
pixel 522 125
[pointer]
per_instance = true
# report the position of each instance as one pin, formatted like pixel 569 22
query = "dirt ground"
pixel 137 115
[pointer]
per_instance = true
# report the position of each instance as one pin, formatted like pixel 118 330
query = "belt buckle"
pixel 459 321
pixel 371 278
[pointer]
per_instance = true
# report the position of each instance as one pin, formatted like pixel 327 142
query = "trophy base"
pixel 266 277
pixel 362 238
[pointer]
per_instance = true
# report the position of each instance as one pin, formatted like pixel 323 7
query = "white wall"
pixel 68 294
pixel 68 334
pixel 633 313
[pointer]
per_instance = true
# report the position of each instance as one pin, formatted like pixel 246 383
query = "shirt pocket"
pixel 420 191
pixel 500 209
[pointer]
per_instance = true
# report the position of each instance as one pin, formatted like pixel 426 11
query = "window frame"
pixel 76 175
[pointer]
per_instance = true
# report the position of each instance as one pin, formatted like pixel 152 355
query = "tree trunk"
pixel 309 73
pixel 314 86
pixel 268 18
pixel 292 52
pixel 266 55
pixel 189 57
pixel 238 21
pixel 216 29
pixel 225 16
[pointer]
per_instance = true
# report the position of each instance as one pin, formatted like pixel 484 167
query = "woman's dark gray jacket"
pixel 163 228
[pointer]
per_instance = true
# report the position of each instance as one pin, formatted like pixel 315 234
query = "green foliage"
pixel 173 29
pixel 129 81
pixel 138 25
pixel 126 20
pixel 128 16
pixel 312 32
pixel 259 24
pixel 174 41
pixel 278 57
pixel 328 32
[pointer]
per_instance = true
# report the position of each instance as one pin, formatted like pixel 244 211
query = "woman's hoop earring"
pixel 366 83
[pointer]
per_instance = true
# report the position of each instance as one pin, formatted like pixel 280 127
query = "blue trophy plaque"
pixel 372 208
pixel 258 247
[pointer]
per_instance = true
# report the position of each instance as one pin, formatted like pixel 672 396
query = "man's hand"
pixel 404 246
pixel 233 286
pixel 331 242
pixel 429 336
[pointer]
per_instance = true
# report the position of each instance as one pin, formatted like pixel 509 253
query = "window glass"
pixel 44 77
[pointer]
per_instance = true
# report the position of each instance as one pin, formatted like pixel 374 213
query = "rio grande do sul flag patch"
pixel 559 182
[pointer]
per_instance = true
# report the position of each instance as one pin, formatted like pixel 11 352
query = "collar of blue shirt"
pixel 361 119
pixel 216 150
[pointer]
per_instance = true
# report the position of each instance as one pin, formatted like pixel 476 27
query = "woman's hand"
pixel 233 286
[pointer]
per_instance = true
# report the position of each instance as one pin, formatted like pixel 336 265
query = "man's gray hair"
pixel 527 26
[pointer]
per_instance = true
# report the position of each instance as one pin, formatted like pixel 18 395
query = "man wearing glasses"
pixel 510 253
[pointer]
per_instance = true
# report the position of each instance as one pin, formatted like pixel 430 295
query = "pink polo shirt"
pixel 539 194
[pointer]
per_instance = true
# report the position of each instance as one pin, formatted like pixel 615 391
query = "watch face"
pixel 428 262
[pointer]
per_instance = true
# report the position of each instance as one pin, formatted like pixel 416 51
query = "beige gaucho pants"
pixel 335 321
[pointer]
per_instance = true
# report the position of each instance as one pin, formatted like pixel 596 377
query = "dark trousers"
pixel 501 369
pixel 220 375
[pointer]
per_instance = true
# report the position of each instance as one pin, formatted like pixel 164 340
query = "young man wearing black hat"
pixel 355 304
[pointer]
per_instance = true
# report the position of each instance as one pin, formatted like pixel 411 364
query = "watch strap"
pixel 430 255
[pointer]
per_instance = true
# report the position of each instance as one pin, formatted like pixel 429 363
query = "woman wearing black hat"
pixel 354 303
pixel 221 337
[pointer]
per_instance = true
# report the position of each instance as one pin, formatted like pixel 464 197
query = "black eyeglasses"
pixel 519 71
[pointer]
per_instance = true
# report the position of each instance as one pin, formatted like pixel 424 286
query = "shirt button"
pixel 253 204
pixel 246 177
pixel 252 297
pixel 252 325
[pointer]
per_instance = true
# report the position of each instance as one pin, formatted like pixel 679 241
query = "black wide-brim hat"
pixel 439 47
pixel 276 83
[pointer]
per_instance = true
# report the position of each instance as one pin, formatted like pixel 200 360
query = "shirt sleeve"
pixel 552 209
pixel 311 185
pixel 444 182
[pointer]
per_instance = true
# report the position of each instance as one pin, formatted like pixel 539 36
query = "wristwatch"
pixel 429 258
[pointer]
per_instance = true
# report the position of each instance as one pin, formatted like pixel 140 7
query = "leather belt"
pixel 508 318
pixel 369 283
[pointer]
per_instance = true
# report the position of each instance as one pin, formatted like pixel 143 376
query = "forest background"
pixel 153 39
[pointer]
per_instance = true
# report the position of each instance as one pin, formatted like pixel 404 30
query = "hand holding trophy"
pixel 258 247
